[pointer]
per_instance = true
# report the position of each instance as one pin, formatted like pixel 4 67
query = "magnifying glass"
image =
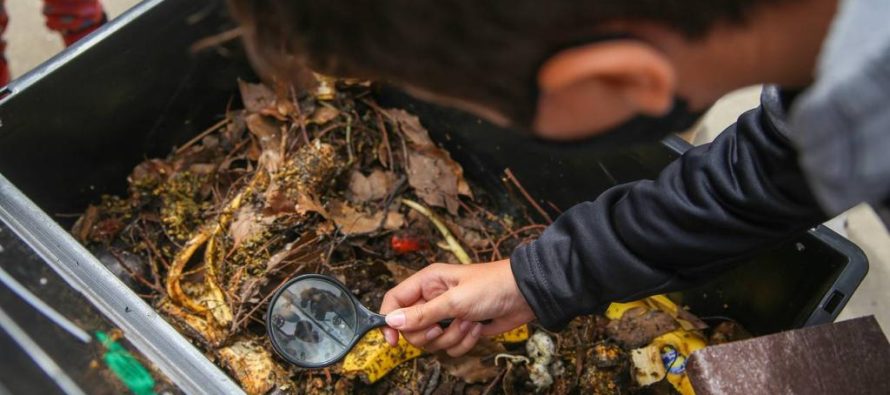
pixel 314 321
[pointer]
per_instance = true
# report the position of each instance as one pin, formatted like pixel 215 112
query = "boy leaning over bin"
pixel 620 72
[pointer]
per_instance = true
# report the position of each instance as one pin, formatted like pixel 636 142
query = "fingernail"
pixel 433 333
pixel 392 338
pixel 476 330
pixel 396 320
pixel 465 326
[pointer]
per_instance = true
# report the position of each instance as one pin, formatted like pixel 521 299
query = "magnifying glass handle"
pixel 377 320
pixel 446 323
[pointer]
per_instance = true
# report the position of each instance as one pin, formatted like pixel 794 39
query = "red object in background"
pixel 73 19
pixel 4 66
pixel 405 243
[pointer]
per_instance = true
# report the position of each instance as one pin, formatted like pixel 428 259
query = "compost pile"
pixel 329 182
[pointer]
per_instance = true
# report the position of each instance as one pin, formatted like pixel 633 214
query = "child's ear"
pixel 592 87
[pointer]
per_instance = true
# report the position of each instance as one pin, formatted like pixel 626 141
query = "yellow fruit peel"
pixel 617 310
pixel 517 335
pixel 372 358
pixel 663 303
pixel 685 343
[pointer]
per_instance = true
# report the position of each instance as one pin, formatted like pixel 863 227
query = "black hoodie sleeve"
pixel 711 208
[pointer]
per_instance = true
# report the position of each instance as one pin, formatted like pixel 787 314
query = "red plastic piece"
pixel 403 244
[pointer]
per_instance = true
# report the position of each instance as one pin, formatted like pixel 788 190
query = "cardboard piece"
pixel 851 357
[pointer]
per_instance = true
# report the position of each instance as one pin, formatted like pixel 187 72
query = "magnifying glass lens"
pixel 313 322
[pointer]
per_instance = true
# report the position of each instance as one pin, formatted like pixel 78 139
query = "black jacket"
pixel 715 206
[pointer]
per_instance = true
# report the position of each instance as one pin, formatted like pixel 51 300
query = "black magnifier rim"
pixel 359 320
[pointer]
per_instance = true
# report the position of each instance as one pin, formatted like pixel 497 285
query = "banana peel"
pixel 684 343
pixel 663 303
pixel 215 309
pixel 253 367
pixel 617 310
pixel 656 302
pixel 198 326
pixel 517 335
pixel 372 358
pixel 177 267
pixel 686 320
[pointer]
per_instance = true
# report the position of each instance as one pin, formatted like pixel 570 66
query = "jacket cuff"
pixel 535 288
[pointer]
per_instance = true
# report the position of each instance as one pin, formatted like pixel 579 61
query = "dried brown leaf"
pixel 437 178
pixel 325 228
pixel 352 221
pixel 384 151
pixel 359 187
pixel 247 223
pixel 399 272
pixel 85 223
pixel 303 247
pixel 470 367
pixel 690 321
pixel 637 327
pixel 381 183
pixel 256 97
pixel 410 126
pixel 202 168
pixel 728 331
pixel 268 132
pixel 375 186
pixel 150 172
pixel 463 187
pixel 277 200
pixel 324 114
pixel 233 133
pixel 306 204
pixel 266 129
pixel 434 180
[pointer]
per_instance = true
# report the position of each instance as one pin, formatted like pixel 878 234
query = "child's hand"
pixel 467 293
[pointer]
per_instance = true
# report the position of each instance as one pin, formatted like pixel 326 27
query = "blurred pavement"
pixel 30 43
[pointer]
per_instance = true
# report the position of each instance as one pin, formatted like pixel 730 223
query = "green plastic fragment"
pixel 126 367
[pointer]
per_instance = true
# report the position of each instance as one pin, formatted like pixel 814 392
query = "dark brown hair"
pixel 481 51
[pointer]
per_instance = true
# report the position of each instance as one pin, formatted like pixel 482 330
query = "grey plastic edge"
pixel 154 337
pixel 848 280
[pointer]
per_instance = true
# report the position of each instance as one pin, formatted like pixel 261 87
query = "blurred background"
pixel 30 43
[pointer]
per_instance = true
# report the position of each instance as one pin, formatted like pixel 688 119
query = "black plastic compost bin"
pixel 73 129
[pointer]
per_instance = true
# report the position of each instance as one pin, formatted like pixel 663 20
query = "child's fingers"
pixel 391 336
pixel 469 341
pixel 499 326
pixel 450 337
